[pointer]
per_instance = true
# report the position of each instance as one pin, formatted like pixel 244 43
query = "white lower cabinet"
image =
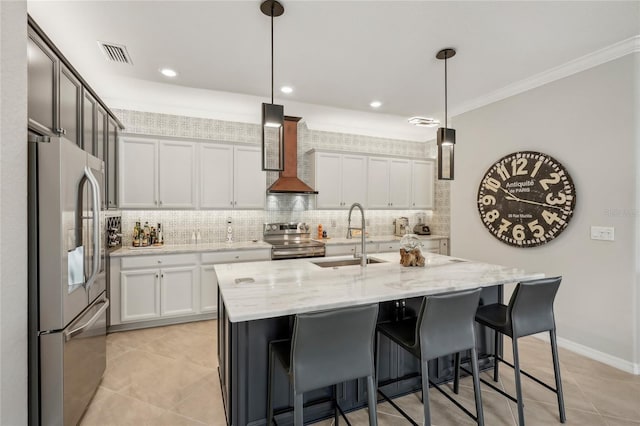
pixel 178 288
pixel 166 286
pixel 208 289
pixel 140 294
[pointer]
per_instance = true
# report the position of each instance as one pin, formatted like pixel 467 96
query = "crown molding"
pixel 609 53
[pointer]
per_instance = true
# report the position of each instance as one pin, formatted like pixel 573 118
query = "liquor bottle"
pixel 153 238
pixel 146 234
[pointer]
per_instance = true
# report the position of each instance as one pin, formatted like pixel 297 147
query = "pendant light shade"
pixel 446 136
pixel 272 114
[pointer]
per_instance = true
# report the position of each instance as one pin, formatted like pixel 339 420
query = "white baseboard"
pixel 613 361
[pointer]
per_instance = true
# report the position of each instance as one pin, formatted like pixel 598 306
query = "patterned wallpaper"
pixel 247 224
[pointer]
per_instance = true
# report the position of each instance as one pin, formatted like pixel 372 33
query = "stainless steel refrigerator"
pixel 67 298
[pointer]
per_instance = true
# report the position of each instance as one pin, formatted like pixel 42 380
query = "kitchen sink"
pixel 345 262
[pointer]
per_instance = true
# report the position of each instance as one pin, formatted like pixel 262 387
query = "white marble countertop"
pixel 189 248
pixel 375 239
pixel 259 290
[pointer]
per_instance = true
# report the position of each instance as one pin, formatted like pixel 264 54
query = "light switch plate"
pixel 602 233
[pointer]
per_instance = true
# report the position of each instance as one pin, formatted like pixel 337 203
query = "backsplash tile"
pixel 178 225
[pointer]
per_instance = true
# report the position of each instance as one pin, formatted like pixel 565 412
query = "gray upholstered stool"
pixel 444 326
pixel 530 311
pixel 327 348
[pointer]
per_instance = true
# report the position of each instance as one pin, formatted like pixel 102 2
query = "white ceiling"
pixel 340 54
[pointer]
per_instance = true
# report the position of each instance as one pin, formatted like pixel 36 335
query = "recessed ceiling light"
pixel 424 121
pixel 286 89
pixel 168 72
pixel 375 104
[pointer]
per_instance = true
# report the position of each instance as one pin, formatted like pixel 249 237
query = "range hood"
pixel 288 182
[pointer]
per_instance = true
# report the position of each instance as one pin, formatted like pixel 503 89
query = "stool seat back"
pixel 446 323
pixel 332 347
pixel 530 308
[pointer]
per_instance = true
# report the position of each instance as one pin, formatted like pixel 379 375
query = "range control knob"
pixel 274 227
pixel 306 227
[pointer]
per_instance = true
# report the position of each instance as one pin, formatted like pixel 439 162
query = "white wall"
pixel 13 208
pixel 587 121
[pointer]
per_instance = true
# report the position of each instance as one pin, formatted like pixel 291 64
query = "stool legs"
pixel 496 351
pixel 516 367
pixel 456 374
pixel 425 393
pixel 556 371
pixel 297 410
pixel 476 384
pixel 372 396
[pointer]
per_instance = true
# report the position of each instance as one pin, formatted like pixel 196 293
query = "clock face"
pixel 526 199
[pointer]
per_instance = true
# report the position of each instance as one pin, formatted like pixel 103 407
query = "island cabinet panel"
pixel 243 365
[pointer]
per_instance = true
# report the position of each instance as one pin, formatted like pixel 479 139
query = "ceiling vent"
pixel 115 53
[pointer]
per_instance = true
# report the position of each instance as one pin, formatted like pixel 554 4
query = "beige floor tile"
pixel 114 350
pixel 186 345
pixel 137 338
pixel 541 414
pixel 129 367
pixel 165 383
pixel 612 397
pixel 203 401
pixel 112 409
pixel 169 418
pixel 614 421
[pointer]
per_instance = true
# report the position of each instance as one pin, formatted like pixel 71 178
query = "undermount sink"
pixel 345 262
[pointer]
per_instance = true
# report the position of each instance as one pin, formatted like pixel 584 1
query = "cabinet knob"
pixel 160 202
pixel 231 202
pixel 61 131
pixel 157 276
pixel 159 261
pixel 237 257
pixel 162 275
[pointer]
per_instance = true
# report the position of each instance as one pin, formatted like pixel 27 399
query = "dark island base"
pixel 243 365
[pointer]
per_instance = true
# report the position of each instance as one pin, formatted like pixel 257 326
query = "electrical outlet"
pixel 602 233
pixel 333 223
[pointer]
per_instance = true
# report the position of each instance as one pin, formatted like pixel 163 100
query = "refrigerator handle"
pixel 70 334
pixel 95 192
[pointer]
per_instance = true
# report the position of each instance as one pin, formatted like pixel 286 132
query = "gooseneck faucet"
pixel 363 251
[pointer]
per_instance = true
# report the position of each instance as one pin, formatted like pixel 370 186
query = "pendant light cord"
pixel 445 92
pixel 272 7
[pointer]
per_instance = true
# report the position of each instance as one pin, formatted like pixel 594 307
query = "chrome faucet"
pixel 363 251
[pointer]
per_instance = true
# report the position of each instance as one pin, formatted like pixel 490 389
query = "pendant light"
pixel 272 114
pixel 446 136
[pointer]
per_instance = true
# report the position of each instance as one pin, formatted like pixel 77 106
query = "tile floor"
pixel 168 376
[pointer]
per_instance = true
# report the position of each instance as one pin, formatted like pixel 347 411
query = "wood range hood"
pixel 288 182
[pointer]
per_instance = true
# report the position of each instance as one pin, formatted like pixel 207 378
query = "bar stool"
pixel 444 326
pixel 327 348
pixel 530 311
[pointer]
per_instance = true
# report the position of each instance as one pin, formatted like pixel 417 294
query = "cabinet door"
pixel 137 160
pixel 378 183
pixel 216 176
pixel 112 163
pixel 354 180
pixel 422 184
pixel 69 102
pixel 177 175
pixel 88 122
pixel 208 289
pixel 42 71
pixel 178 295
pixel 139 294
pixel 101 126
pixel 328 180
pixel 249 181
pixel 400 183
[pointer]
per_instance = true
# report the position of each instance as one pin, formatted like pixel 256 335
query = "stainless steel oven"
pixel 292 240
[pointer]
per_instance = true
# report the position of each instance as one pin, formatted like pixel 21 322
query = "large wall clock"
pixel 526 199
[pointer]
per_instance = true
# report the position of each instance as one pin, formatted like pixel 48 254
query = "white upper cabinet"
pixel 249 181
pixel 354 180
pixel 399 183
pixel 156 174
pixel 176 175
pixel 340 179
pixel 137 173
pixel 216 176
pixel 378 183
pixel 422 177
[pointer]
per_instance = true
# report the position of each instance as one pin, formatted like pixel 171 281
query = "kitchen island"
pixel 257 303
